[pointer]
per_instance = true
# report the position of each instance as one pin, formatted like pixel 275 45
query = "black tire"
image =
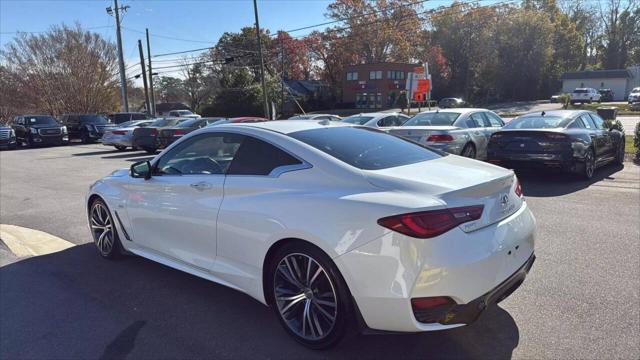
pixel 469 151
pixel 314 293
pixel 103 230
pixel 589 164
pixel 85 138
pixel 120 147
pixel 150 150
pixel 620 152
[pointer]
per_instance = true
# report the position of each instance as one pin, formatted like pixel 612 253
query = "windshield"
pixel 190 123
pixel 94 119
pixel 433 119
pixel 537 122
pixel 357 119
pixel 40 120
pixel 365 149
pixel 184 112
pixel 301 117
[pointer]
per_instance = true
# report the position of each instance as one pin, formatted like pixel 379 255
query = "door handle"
pixel 202 185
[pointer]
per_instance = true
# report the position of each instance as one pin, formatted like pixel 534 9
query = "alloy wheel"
pixel 102 228
pixel 305 296
pixel 589 164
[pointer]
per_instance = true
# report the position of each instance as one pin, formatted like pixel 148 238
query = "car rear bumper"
pixel 470 268
pixel 146 142
pixel 563 160
pixel 452 147
pixel 166 141
pixel 118 140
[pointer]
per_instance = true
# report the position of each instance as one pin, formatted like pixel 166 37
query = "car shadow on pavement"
pixel 73 304
pixel 553 183
pixel 126 155
pixel 99 152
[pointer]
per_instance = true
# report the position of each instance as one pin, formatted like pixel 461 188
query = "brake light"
pixel 429 302
pixel 555 136
pixel 428 224
pixel 153 131
pixel 440 138
pixel 179 132
pixel 119 132
pixel 518 189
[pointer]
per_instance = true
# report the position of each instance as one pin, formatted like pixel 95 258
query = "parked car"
pixel 325 224
pixel 569 140
pixel 463 131
pixel 33 130
pixel 448 103
pixel 183 114
pixel 238 120
pixel 634 96
pixel 606 95
pixel 377 119
pixel 329 117
pixel 119 118
pixel 556 98
pixel 122 136
pixel 7 138
pixel 585 95
pixel 167 136
pixel 86 127
pixel 146 138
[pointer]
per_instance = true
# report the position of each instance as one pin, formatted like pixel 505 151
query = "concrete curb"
pixel 28 242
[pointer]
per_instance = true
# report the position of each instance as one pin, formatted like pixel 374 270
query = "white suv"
pixel 634 95
pixel 585 95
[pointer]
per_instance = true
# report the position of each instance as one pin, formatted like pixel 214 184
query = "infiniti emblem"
pixel 504 200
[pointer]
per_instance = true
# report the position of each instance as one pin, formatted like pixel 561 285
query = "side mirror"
pixel 141 169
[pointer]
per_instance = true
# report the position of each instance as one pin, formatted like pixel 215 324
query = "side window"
pixel 477 120
pixel 494 120
pixel 576 124
pixel 387 121
pixel 323 118
pixel 587 122
pixel 257 157
pixel 206 154
pixel 598 121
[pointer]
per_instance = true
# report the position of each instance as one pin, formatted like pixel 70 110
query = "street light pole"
pixel 153 97
pixel 123 76
pixel 264 87
pixel 144 78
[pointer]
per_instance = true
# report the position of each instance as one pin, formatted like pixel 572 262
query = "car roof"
pixel 559 113
pixel 286 126
pixel 455 110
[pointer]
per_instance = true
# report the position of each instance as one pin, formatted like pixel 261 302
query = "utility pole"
pixel 283 74
pixel 144 78
pixel 153 97
pixel 123 76
pixel 264 87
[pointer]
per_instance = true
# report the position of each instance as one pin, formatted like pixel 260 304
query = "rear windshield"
pixel 40 120
pixel 133 123
pixel 433 119
pixel 166 122
pixel 301 117
pixel 357 119
pixel 537 122
pixel 94 119
pixel 190 123
pixel 580 91
pixel 220 122
pixel 365 149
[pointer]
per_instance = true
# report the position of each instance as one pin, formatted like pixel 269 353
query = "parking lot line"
pixel 28 242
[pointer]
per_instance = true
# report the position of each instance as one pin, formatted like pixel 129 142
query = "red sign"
pixel 423 86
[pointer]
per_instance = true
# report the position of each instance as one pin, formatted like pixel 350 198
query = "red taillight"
pixel 440 138
pixel 518 189
pixel 119 132
pixel 179 132
pixel 555 136
pixel 153 131
pixel 430 302
pixel 427 224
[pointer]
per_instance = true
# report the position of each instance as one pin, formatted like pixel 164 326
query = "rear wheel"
pixel 620 152
pixel 469 151
pixel 308 295
pixel 150 150
pixel 103 230
pixel 85 138
pixel 589 164
pixel 120 147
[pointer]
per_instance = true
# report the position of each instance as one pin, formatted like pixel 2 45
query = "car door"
pixel 247 216
pixel 478 135
pixel 18 127
pixel 174 212
pixel 607 140
pixel 594 133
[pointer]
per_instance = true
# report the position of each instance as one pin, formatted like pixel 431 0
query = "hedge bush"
pixel 636 139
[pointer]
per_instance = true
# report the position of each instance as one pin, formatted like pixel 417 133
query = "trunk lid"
pixel 529 141
pixel 419 133
pixel 457 182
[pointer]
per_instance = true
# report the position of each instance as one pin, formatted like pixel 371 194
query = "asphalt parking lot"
pixel 581 300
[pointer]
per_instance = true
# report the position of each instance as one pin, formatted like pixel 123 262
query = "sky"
pixel 199 23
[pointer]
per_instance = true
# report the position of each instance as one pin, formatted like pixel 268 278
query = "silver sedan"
pixel 464 131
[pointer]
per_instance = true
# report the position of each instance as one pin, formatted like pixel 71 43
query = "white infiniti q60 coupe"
pixel 333 226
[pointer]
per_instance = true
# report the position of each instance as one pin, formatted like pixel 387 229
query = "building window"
pixel 395 75
pixel 353 75
pixel 375 75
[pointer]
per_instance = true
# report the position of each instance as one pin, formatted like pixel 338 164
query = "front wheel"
pixel 589 164
pixel 103 230
pixel 120 147
pixel 309 296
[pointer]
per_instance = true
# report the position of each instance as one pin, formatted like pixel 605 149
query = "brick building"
pixel 375 86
